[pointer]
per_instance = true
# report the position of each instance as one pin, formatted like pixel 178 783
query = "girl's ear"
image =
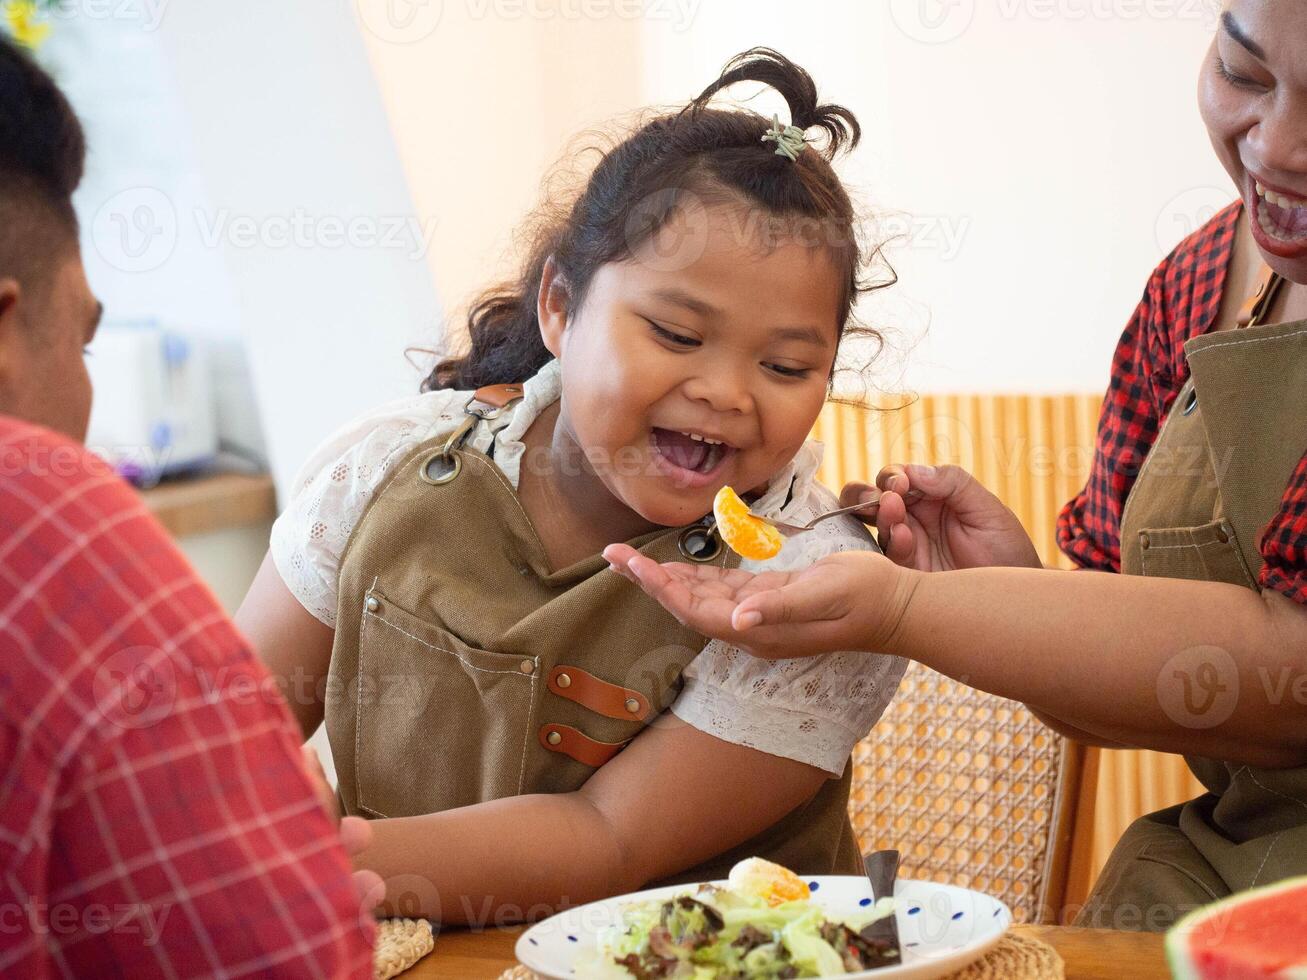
pixel 551 307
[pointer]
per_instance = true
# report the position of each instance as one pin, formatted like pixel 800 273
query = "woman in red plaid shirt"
pixel 156 816
pixel 1198 494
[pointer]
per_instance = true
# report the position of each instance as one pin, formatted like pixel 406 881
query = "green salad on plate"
pixel 761 926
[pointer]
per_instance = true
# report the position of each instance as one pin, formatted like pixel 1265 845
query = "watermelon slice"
pixel 1253 935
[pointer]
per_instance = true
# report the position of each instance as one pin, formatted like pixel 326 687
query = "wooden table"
pixel 1089 954
pixel 213 502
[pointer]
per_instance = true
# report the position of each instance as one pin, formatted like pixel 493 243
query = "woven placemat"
pixel 400 944
pixel 1014 958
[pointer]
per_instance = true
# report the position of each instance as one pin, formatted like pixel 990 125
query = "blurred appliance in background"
pixel 157 395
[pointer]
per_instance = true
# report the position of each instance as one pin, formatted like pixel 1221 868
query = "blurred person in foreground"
pixel 157 816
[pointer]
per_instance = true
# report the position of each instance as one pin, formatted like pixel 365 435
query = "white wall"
pixel 484 96
pixel 242 181
pixel 1037 157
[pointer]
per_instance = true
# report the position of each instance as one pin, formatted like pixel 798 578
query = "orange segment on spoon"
pixel 743 533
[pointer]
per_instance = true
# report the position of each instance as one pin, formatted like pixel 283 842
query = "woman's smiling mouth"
pixel 1279 220
pixel 690 458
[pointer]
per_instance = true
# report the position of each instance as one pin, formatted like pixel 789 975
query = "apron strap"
pixel 498 396
pixel 1258 305
pixel 485 404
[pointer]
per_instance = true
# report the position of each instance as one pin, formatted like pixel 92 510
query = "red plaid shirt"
pixel 155 819
pixel 1181 302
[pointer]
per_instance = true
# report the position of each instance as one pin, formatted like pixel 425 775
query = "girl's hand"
pixel 849 601
pixel 956 523
pixel 355 834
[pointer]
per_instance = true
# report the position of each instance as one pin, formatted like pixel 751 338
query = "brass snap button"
pixel 373 603
pixel 1223 534
pixel 1144 540
pixel 699 543
pixel 527 667
pixel 553 738
pixel 564 680
pixel 632 705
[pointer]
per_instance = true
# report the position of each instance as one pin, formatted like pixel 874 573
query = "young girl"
pixel 436 587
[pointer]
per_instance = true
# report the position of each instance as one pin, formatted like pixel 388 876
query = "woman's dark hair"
pixel 42 153
pixel 712 154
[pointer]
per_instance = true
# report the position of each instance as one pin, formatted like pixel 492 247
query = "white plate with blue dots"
pixel 942 928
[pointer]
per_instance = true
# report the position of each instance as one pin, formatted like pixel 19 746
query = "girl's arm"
pixel 1191 667
pixel 293 644
pixel 673 799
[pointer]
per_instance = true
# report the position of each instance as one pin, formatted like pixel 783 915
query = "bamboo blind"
pixel 1034 452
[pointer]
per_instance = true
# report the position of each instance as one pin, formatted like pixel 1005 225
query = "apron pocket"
pixel 440 724
pixel 1208 553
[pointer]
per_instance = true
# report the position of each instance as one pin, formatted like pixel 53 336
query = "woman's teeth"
pixel 1282 217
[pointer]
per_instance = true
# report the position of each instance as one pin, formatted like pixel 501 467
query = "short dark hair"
pixel 42 158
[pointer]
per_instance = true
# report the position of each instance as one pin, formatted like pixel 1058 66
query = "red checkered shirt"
pixel 1181 302
pixel 155 818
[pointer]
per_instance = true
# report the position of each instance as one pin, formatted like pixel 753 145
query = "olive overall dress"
pixel 1212 482
pixel 465 669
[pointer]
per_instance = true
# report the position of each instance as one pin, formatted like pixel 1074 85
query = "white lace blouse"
pixel 812 709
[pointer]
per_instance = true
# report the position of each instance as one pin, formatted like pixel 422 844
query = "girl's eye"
pixel 680 340
pixel 788 372
pixel 1238 81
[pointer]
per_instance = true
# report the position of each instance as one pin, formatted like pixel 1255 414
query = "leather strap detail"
pixel 498 396
pixel 599 696
pixel 1256 305
pixel 579 746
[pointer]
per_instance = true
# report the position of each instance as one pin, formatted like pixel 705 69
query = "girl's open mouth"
pixel 1279 221
pixel 691 459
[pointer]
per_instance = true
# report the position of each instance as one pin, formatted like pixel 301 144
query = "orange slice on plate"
pixel 745 534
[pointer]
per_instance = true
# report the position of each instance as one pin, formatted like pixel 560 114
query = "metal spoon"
pixel 882 869
pixel 791 529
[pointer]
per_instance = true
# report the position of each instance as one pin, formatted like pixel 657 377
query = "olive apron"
pixel 464 669
pixel 1212 482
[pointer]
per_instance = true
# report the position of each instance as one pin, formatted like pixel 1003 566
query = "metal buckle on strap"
pixel 444 465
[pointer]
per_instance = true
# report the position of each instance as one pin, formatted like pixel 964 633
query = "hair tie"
pixel 789 140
